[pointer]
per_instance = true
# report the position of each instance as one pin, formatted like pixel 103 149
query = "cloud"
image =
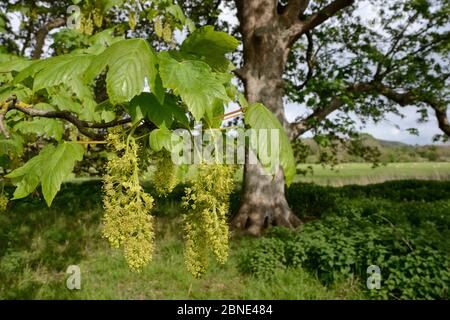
pixel 393 128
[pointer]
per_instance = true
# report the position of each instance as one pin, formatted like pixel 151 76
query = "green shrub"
pixel 264 258
pixel 413 265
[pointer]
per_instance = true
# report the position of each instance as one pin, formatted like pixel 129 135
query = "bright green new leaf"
pixel 215 114
pixel 42 126
pixel 56 70
pixel 129 63
pixel 61 70
pixel 50 168
pixel 11 146
pixel 211 46
pixel 197 86
pixel 58 167
pixel 9 63
pixel 147 106
pixel 65 102
pixel 257 116
pixel 161 138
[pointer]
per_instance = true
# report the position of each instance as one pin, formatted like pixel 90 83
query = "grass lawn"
pixel 34 268
pixel 364 173
pixel 37 244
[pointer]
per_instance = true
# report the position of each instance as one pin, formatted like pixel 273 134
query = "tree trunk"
pixel 265 55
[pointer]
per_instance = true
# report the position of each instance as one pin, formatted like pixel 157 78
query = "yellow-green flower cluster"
pixel 127 220
pixel 206 227
pixel 165 175
pixel 3 202
pixel 86 25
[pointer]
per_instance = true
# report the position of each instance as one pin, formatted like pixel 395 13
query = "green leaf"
pixel 58 167
pixel 257 116
pixel 42 126
pixel 88 108
pixel 104 38
pixel 197 86
pixel 56 70
pixel 61 70
pixel 10 63
pixel 214 115
pixel 65 102
pixel 50 167
pixel 211 46
pixel 130 62
pixel 23 93
pixel 147 106
pixel 161 138
pixel 26 178
pixel 11 146
pixel 30 71
pixel 105 5
pixel 176 11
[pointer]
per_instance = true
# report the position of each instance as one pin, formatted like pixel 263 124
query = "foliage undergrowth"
pixel 402 227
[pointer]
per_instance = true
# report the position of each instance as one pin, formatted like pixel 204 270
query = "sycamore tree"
pixel 123 93
pixel 328 56
pixel 119 78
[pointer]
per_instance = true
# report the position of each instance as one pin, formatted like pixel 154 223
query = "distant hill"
pixel 391 144
pixel 390 151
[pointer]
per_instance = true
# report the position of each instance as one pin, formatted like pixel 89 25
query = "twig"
pixel 91 142
pixel 395 228
pixel 82 126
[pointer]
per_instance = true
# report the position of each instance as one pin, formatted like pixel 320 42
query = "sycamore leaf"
pixel 129 63
pixel 11 146
pixel 161 138
pixel 147 106
pixel 194 82
pixel 211 46
pixel 60 70
pixel 214 115
pixel 26 178
pixel 56 70
pixel 65 102
pixel 9 63
pixel 23 93
pixel 42 126
pixel 58 167
pixel 88 105
pixel 257 116
pixel 50 168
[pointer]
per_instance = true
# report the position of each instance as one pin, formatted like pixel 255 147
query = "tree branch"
pixel 306 124
pixel 401 98
pixel 312 21
pixel 82 126
pixel 294 9
pixel 409 97
pixel 42 34
pixel 309 61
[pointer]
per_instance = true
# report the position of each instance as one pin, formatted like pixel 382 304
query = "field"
pixel 406 220
pixel 364 173
pixel 41 243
